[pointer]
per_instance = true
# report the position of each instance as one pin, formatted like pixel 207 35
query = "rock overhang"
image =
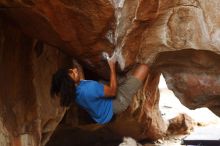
pixel 179 38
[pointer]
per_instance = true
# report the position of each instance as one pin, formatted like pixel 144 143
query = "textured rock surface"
pixel 28 116
pixel 194 79
pixel 179 38
pixel 173 25
pixel 182 124
pixel 78 27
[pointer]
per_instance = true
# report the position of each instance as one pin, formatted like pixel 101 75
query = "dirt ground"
pixel 77 137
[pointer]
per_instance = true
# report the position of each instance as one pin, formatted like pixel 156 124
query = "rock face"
pixel 194 79
pixel 27 115
pixel 78 27
pixel 178 38
pixel 182 124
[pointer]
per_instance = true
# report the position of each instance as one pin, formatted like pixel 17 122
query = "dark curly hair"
pixel 63 85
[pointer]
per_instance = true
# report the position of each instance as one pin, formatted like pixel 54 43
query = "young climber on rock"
pixel 94 97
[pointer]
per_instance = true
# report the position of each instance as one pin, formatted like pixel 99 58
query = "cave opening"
pixel 170 106
pixel 200 128
pixel 188 86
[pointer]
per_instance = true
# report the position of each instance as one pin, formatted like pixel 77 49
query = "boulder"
pixel 181 124
pixel 28 116
pixel 177 38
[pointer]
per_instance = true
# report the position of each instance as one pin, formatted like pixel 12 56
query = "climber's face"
pixel 74 74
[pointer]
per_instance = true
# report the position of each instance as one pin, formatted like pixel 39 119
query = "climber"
pixel 97 98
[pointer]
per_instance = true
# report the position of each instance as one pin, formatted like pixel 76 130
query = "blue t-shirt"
pixel 90 96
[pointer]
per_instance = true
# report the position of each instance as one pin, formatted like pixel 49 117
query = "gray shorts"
pixel 125 93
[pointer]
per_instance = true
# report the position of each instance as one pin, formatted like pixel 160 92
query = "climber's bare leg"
pixel 141 71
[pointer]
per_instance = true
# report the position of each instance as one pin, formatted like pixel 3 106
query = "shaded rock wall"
pixel 78 27
pixel 28 114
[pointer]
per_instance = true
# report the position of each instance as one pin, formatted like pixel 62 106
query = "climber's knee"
pixel 141 71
